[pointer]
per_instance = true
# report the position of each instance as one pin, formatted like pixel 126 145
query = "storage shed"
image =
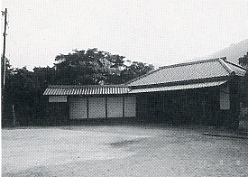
pixel 94 101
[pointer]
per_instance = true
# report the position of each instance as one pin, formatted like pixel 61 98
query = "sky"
pixel 159 32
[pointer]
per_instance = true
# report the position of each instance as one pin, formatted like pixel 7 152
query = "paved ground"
pixel 122 151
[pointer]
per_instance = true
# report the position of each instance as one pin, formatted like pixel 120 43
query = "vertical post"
pixel 3 62
pixel 13 114
pixel 4 47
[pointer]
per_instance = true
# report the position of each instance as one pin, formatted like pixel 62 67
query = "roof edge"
pixel 186 82
pixel 189 63
pixel 226 67
pixel 84 86
pixel 68 90
pixel 179 87
pixel 239 66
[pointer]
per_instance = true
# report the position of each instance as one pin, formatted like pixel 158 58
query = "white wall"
pixel 98 107
pixel 78 108
pixel 115 107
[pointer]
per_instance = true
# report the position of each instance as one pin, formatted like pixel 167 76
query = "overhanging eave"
pixel 178 87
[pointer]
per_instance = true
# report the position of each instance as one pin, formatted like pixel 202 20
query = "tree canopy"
pixel 96 67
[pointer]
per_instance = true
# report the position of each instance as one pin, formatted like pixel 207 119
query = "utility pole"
pixel 4 47
pixel 3 63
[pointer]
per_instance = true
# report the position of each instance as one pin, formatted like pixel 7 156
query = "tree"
pixel 136 69
pixel 15 93
pixel 84 67
pixel 23 95
pixel 93 67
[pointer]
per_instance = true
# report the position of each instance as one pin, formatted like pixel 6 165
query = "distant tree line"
pixel 23 102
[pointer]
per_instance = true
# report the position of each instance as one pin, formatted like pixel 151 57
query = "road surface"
pixel 121 151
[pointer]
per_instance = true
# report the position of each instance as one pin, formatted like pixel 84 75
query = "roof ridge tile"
pixel 234 64
pixel 226 67
pixel 189 63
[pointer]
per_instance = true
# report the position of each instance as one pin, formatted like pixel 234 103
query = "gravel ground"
pixel 121 151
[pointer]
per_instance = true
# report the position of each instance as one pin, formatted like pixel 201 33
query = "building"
pixel 199 92
pixel 78 102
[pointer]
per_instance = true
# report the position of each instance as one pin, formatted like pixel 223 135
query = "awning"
pixel 178 87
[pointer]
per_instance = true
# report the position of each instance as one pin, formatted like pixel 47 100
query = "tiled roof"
pixel 178 87
pixel 197 70
pixel 86 90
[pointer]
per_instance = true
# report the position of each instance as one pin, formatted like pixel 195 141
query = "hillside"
pixel 233 53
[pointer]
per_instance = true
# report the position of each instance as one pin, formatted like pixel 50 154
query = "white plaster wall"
pixel 78 108
pixel 115 107
pixel 97 107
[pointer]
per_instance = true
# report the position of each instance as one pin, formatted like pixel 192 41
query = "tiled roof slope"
pixel 197 70
pixel 86 90
pixel 178 87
